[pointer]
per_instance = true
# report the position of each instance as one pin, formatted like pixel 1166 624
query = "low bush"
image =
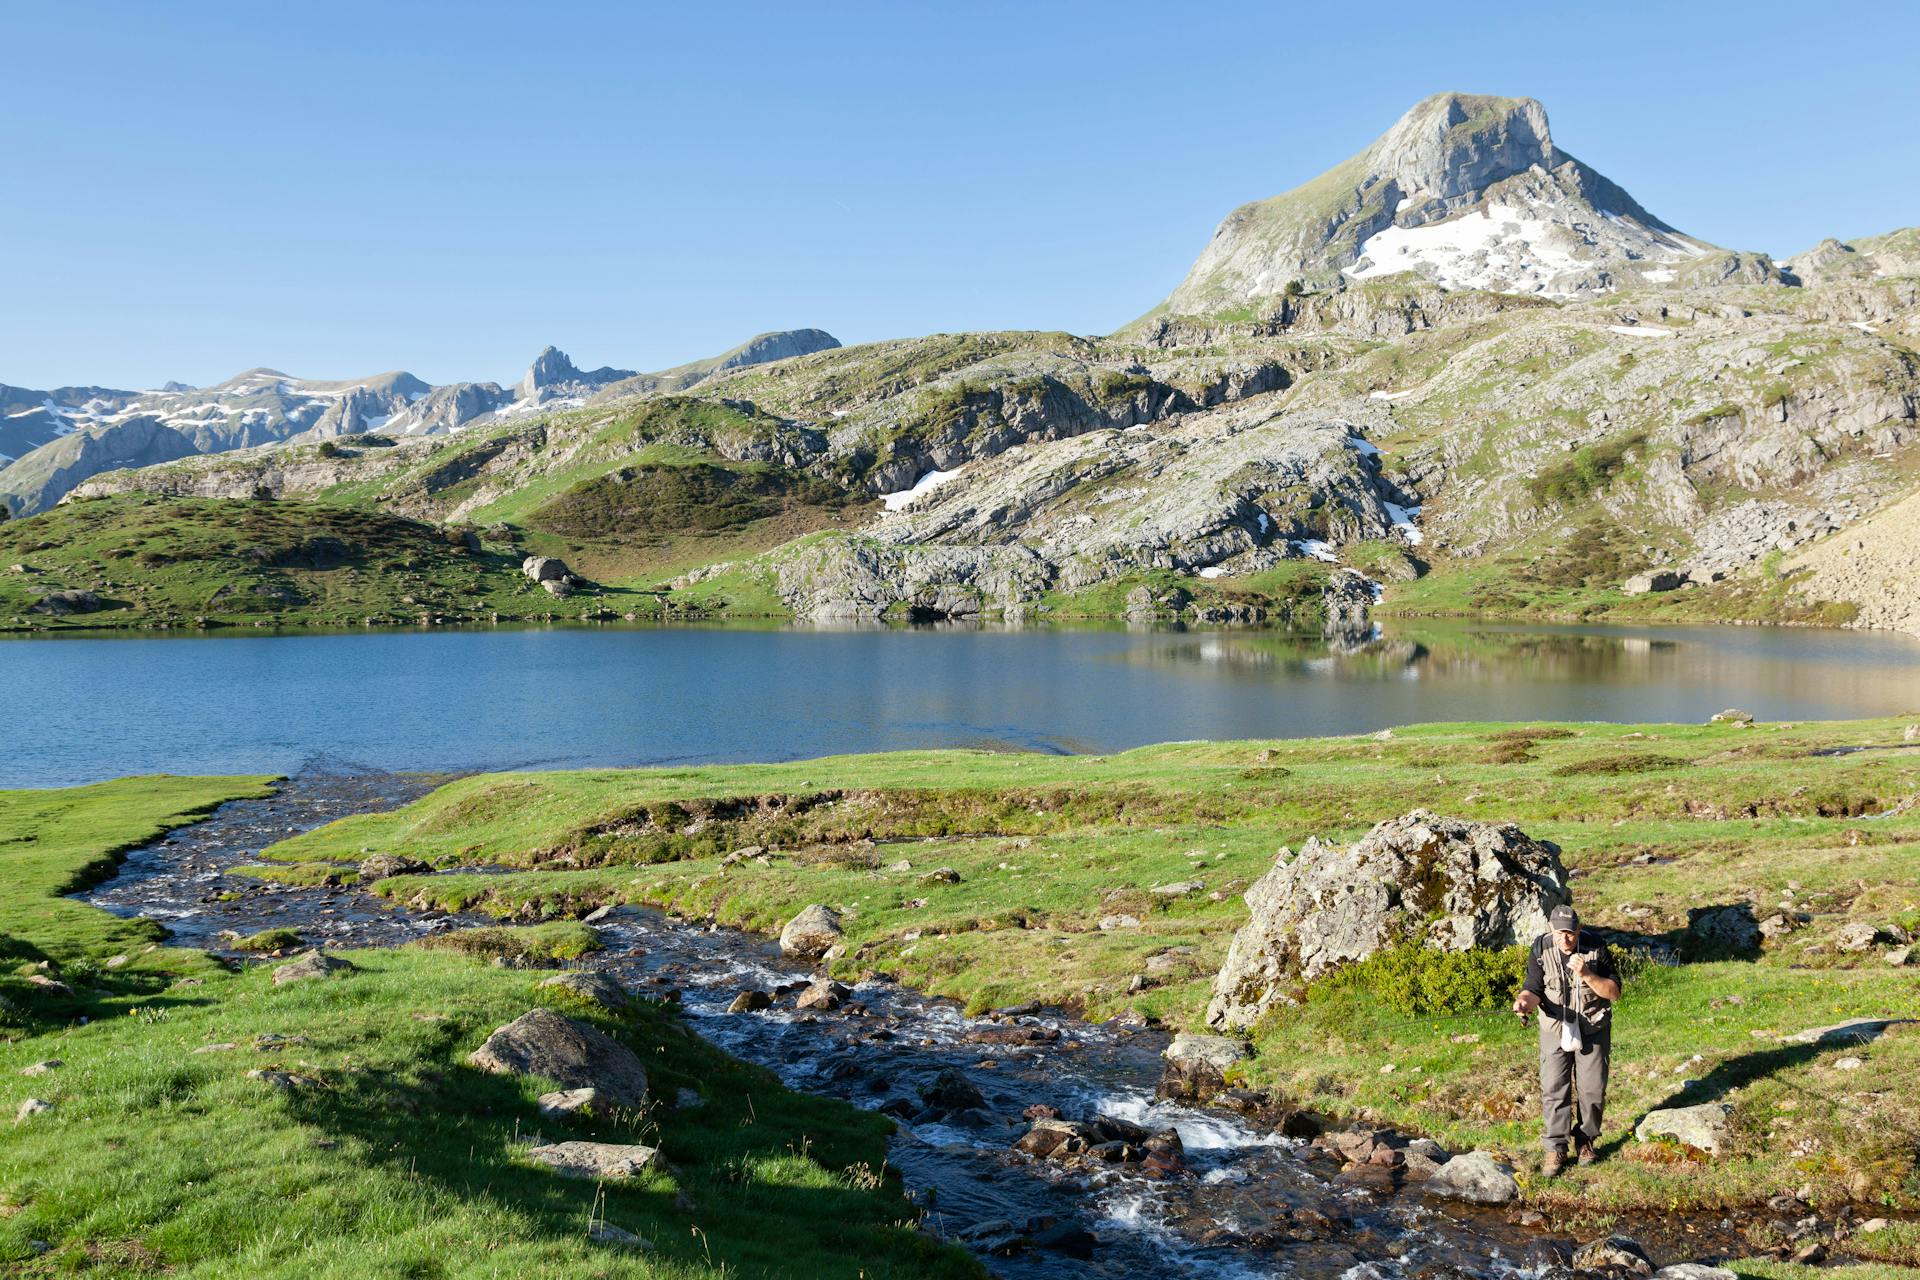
pixel 1418 980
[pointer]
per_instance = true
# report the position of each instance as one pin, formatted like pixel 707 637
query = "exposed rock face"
pixel 1707 1127
pixel 811 933
pixel 60 604
pixel 543 1043
pixel 1442 882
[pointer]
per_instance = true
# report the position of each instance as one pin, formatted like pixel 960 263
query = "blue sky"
pixel 334 190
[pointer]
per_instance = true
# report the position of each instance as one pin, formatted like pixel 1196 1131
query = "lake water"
pixel 81 709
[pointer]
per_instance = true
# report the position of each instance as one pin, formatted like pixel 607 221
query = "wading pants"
pixel 1573 1086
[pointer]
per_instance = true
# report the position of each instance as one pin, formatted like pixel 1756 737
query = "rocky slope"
pixel 1580 414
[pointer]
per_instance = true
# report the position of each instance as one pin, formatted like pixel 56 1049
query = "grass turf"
pixel 163 1155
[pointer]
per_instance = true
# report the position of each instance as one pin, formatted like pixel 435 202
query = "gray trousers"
pixel 1573 1086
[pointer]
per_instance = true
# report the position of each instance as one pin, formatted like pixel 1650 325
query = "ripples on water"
pixel 596 696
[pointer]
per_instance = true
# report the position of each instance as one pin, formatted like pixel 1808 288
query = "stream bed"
pixel 1237 1200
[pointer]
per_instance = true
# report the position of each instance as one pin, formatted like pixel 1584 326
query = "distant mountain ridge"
pixel 52 441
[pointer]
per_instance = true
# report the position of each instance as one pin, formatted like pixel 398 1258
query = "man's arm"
pixel 1533 989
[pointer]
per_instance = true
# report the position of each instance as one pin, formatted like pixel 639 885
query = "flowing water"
pixel 90 708
pixel 1242 1201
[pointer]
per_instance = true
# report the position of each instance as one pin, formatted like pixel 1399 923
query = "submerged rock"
pixel 1443 882
pixel 811 933
pixel 543 1043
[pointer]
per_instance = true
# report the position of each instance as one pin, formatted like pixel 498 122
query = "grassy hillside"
pixel 1654 820
pixel 162 1156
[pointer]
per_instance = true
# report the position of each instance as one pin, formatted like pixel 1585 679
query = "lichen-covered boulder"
pixel 1706 1127
pixel 1444 882
pixel 1730 930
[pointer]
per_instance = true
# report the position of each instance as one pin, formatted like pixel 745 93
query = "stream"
pixel 1237 1201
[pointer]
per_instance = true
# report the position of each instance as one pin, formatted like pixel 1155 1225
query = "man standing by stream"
pixel 1572 983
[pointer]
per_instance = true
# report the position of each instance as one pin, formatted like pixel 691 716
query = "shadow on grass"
pixel 457 1128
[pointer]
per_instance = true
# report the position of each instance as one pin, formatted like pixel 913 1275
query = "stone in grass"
pixel 1475 1177
pixel 606 1233
pixel 595 988
pixel 1859 935
pixel 314 964
pixel 1705 1127
pixel 567 1102
pixel 810 933
pixel 42 1068
pixel 595 1159
pixel 543 1043
pixel 30 1108
pixel 284 1081
pixel 381 866
pixel 941 875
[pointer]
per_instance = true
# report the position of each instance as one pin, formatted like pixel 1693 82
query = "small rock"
pixel 1475 1177
pixel 545 1044
pixel 1858 935
pixel 30 1108
pixel 1694 1271
pixel 566 1102
pixel 51 985
pixel 1847 1064
pixel 941 875
pixel 314 964
pixel 1900 956
pixel 42 1068
pixel 750 1002
pixel 1705 1127
pixel 383 866
pixel 901 867
pixel 222 1047
pixel 595 1159
pixel 823 993
pixel 1109 923
pixel 1622 1252
pixel 606 1233
pixel 598 914
pixel 1178 889
pixel 285 1081
pixel 596 988
pixel 1731 715
pixel 811 932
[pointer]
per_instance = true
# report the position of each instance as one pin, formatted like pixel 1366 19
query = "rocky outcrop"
pixel 382 866
pixel 1436 881
pixel 572 1054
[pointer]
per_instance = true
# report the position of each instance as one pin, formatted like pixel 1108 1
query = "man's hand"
pixel 1525 1003
pixel 1578 963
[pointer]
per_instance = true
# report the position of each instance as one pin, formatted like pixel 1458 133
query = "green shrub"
pixel 1418 980
pixel 1632 762
pixel 1590 469
pixel 270 940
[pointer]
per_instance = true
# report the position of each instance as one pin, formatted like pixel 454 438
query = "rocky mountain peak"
pixel 1467 190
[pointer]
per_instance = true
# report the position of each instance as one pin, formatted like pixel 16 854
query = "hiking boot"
pixel 1554 1161
pixel 1587 1154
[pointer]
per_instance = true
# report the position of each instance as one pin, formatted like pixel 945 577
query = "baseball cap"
pixel 1563 918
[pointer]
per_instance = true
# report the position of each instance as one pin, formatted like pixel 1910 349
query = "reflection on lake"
pixel 80 709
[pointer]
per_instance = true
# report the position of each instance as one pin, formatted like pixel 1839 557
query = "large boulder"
pixel 314 964
pixel 545 569
pixel 812 933
pixel 1705 1127
pixel 542 1043
pixel 1444 882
